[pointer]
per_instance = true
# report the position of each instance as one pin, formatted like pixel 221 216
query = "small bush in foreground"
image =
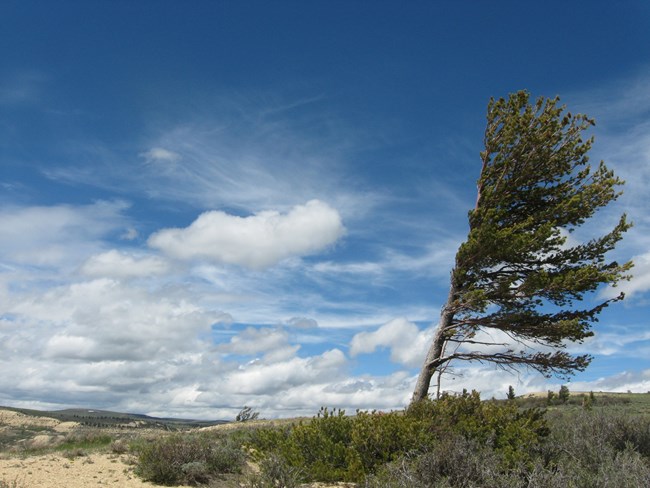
pixel 186 459
pixel 275 472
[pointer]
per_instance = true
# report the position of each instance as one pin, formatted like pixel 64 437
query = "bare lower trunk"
pixel 429 367
pixel 434 359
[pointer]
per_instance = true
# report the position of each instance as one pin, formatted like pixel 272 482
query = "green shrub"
pixel 564 394
pixel 186 459
pixel 583 448
pixel 336 447
pixel 378 438
pixel 454 461
pixel 321 447
pixel 86 439
pixel 502 426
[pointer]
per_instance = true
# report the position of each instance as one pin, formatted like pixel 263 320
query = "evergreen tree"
pixel 563 394
pixel 516 277
pixel 550 397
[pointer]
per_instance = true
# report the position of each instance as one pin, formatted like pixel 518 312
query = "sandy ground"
pixel 100 470
pixel 53 471
pixel 57 471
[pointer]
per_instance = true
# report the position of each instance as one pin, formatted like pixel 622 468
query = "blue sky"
pixel 206 205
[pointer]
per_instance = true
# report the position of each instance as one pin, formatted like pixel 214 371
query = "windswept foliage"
pixel 516 275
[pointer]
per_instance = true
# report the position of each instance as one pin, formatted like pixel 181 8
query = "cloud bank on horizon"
pixel 271 221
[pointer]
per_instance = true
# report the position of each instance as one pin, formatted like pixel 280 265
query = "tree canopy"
pixel 517 276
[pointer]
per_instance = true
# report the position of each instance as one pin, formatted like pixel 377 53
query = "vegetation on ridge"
pixel 458 441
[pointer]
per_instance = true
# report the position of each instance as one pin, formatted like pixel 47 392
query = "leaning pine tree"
pixel 516 281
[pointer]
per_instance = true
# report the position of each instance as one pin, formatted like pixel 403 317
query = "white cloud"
pixel 244 153
pixel 407 344
pixel 130 234
pixel 256 242
pixel 638 284
pixel 391 392
pixel 634 381
pixel 436 259
pixel 630 341
pixel 266 379
pixel 66 346
pixel 116 264
pixel 302 323
pixel 112 321
pixel 57 234
pixel 359 268
pixel 160 154
pixel 253 341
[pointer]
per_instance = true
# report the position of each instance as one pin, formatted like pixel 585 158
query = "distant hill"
pixel 107 418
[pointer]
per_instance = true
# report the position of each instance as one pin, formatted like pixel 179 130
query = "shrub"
pixel 378 438
pixel 275 472
pixel 186 459
pixel 563 395
pixel 321 447
pixel 336 447
pixel 454 461
pixel 119 446
pixel 78 444
pixel 501 426
pixel 550 397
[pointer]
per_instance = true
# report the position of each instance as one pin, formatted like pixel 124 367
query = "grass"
pixel 637 404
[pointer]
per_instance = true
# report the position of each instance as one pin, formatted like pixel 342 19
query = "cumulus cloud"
pixel 116 264
pixel 407 344
pixel 104 319
pixel 57 234
pixel 257 242
pixel 260 379
pixel 67 346
pixel 254 341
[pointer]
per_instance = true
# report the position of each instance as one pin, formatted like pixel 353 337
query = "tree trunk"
pixel 433 360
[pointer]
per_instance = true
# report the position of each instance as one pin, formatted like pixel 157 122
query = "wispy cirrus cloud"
pixel 157 154
pixel 20 88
